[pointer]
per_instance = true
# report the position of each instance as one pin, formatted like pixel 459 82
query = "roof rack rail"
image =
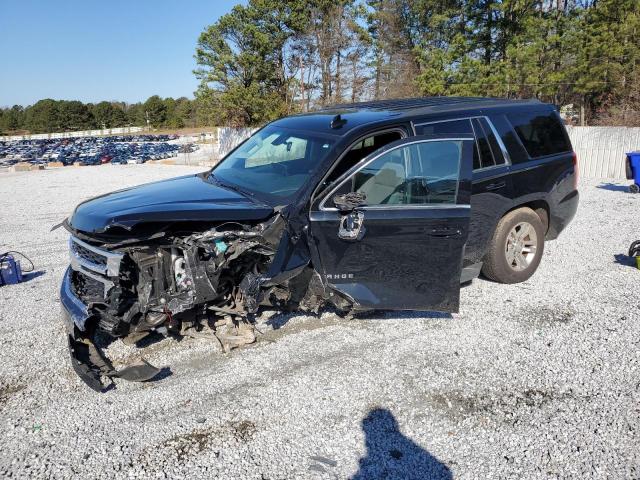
pixel 406 103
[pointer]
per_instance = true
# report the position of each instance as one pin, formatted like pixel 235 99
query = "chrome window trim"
pixel 501 144
pixel 410 206
pixel 503 148
pixel 403 135
pixel 353 171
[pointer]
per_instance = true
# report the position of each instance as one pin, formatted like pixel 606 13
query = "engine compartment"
pixel 188 283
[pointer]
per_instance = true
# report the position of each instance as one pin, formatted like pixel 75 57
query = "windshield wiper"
pixel 231 186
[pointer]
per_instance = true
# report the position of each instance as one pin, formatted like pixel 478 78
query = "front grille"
pixel 93 258
pixel 89 255
pixel 86 288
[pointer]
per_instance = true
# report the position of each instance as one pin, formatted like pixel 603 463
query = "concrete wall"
pixel 601 150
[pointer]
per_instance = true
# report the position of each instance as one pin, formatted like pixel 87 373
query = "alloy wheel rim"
pixel 521 246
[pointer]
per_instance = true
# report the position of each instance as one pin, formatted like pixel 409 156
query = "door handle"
pixel 496 186
pixel 351 226
pixel 445 232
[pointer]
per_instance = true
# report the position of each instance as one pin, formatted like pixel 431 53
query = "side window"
pixel 489 153
pixel 461 126
pixel 517 153
pixel 541 133
pixel 361 149
pixel 415 174
pixel 445 127
pixel 498 156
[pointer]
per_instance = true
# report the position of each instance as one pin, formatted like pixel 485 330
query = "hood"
pixel 188 198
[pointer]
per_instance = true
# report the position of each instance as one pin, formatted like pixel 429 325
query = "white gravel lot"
pixel 536 380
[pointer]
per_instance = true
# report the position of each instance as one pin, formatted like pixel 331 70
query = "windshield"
pixel 275 162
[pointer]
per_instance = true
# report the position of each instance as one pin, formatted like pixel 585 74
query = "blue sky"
pixel 95 50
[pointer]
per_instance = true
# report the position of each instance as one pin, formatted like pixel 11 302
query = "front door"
pixel 391 234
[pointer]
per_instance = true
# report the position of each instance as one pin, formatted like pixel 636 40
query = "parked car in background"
pixel 378 205
pixel 88 150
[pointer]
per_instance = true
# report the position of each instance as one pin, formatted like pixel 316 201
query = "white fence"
pixel 83 133
pixel 229 138
pixel 601 150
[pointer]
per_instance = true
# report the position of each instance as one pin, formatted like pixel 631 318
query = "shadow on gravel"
pixel 165 372
pixel 625 260
pixel 392 455
pixel 281 319
pixel 27 277
pixel 613 187
pixel 403 314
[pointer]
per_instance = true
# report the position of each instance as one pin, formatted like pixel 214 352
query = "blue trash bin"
pixel 632 165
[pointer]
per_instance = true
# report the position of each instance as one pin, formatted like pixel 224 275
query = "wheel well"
pixel 541 208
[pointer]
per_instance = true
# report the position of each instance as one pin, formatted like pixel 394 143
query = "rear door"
pixel 400 243
pixel 491 188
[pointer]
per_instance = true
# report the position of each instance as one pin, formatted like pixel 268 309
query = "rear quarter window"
pixel 541 133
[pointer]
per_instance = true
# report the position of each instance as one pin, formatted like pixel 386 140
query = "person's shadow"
pixel 391 455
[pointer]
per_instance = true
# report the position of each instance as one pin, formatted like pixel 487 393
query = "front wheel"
pixel 516 248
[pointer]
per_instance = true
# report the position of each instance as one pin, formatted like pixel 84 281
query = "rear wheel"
pixel 516 248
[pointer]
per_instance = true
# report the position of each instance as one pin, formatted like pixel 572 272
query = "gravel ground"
pixel 536 380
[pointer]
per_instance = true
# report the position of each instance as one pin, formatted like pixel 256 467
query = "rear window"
pixel 541 133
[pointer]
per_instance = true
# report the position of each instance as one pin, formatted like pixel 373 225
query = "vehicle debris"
pixel 208 283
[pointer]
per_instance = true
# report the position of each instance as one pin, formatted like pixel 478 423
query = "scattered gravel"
pixel 536 380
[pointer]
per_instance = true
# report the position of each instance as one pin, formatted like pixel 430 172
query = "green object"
pixel 221 246
pixel 638 262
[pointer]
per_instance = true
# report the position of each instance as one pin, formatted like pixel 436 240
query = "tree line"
pixel 269 58
pixel 46 116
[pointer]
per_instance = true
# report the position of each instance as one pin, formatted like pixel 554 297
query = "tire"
pixel 634 188
pixel 516 248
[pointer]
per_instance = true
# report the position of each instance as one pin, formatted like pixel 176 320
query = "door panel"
pixel 406 259
pixel 407 247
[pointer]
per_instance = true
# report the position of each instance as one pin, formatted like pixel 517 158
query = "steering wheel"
pixel 281 166
pixel 406 188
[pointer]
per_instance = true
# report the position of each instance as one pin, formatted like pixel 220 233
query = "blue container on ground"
pixel 632 167
pixel 10 271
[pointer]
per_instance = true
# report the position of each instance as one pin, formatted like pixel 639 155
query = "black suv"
pixel 378 205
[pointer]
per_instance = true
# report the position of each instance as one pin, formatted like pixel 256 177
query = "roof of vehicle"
pixel 362 113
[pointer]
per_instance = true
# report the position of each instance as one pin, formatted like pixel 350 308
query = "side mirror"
pixel 349 201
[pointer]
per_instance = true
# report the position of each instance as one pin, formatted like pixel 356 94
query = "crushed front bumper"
pixel 87 359
pixel 74 312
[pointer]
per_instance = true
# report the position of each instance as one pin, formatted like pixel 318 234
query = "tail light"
pixel 575 171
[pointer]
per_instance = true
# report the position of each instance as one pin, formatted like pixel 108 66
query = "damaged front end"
pixel 206 282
